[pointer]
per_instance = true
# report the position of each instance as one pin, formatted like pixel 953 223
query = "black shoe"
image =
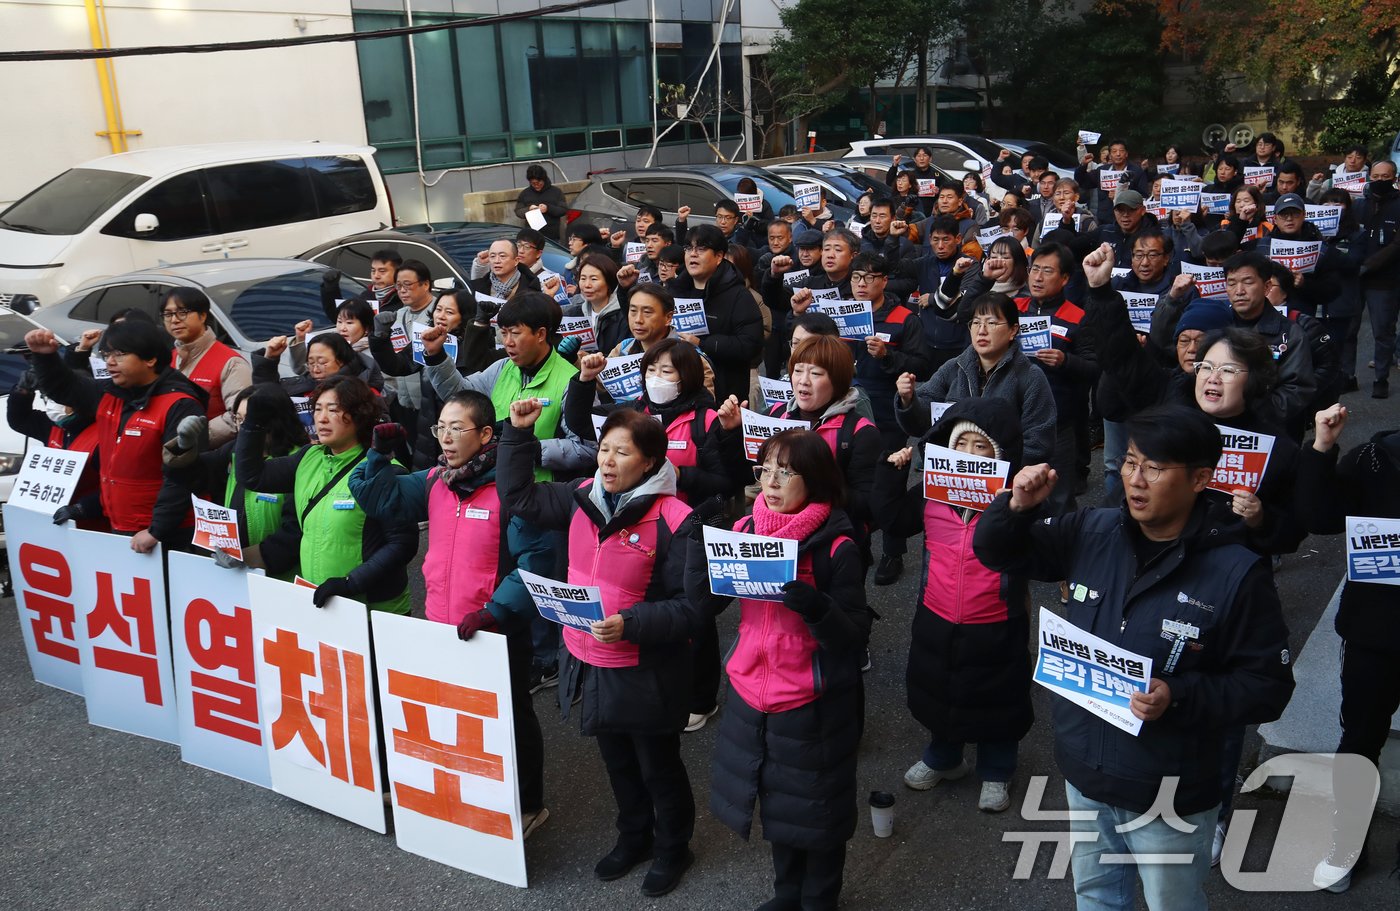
pixel 542 678
pixel 620 861
pixel 889 570
pixel 665 874
pixel 779 903
pixel 1380 389
pixel 1350 385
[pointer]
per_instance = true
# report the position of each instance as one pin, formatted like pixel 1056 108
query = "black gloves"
pixel 474 622
pixel 26 384
pixel 331 277
pixel 804 600
pixel 262 411
pixel 66 513
pixel 387 437
pixel 486 310
pixel 384 323
pixel 332 587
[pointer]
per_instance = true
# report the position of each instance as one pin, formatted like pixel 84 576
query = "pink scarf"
pixel 796 526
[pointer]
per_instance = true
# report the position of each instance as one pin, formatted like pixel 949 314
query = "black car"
pixel 446 248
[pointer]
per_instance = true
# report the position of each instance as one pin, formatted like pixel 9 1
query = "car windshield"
pixel 271 306
pixel 856 183
pixel 70 202
pixel 777 192
pixel 983 147
pixel 12 331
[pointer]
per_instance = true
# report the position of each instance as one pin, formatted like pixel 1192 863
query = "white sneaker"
pixel 1218 843
pixel 532 821
pixel 698 721
pixel 1333 873
pixel 920 777
pixel 996 796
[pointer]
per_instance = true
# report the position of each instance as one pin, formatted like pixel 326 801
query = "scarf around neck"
pixel 464 476
pixel 502 289
pixel 795 526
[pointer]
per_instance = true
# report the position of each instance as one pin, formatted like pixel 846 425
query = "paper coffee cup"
pixel 882 813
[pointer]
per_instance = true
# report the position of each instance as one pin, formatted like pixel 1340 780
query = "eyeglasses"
pixel 988 324
pixel 696 248
pixel 321 362
pixel 780 475
pixel 1044 270
pixel 450 433
pixel 1148 254
pixel 175 315
pixel 867 278
pixel 1227 371
pixel 525 246
pixel 407 286
pixel 112 354
pixel 1150 473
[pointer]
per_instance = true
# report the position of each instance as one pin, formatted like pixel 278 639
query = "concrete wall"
pixel 54 109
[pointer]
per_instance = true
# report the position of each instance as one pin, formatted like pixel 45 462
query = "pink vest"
pixel 958 587
pixel 621 565
pixel 830 430
pixel 464 549
pixel 681 450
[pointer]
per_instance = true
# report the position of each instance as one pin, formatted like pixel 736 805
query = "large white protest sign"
pixel 1327 218
pixel 749 566
pixel 1088 137
pixel 216 528
pixel 449 744
pixel 689 316
pixel 1109 180
pixel 1034 334
pixel 854 319
pixel 579 606
pixel 622 377
pixel 1053 220
pixel 1091 672
pixel 775 391
pixel 317 697
pixel 47 479
pixel 1140 307
pixel 42 574
pixel 1244 455
pixel 808 195
pixel 1181 195
pixel 581 328
pixel 759 427
pixel 125 639
pixel 1373 550
pixel 1216 203
pixel 1354 182
pixel 216 684
pixel 985 236
pixel 1210 280
pixel 962 479
pixel 1258 176
pixel 794 277
pixel 749 203
pixel 1297 255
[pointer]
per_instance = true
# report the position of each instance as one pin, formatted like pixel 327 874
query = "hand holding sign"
pixel 1032 486
pixel 608 630
pixel 525 413
pixel 590 365
pixel 1248 507
pixel 1150 705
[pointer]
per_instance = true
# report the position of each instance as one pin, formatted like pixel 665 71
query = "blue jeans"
pixel 996 759
pixel 1103 884
pixel 1115 445
pixel 1384 306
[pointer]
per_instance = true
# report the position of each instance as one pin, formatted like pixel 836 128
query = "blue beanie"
pixel 1205 315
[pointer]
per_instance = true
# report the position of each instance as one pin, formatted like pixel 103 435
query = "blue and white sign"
pixel 775 392
pixel 1168 169
pixel 1373 550
pixel 855 319
pixel 579 606
pixel 449 345
pixel 1093 673
pixel 1034 334
pixel 1140 307
pixel 1216 203
pixel 1327 218
pixel 749 566
pixel 622 377
pixel 689 316
pixel 1181 195
pixel 1210 280
pixel 808 195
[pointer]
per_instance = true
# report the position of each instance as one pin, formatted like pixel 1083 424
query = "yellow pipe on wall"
pixel 116 132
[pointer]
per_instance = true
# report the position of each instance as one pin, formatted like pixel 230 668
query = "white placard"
pixel 622 377
pixel 748 203
pixel 323 750
pixel 1034 334
pixel 749 566
pixel 1088 137
pixel 633 251
pixel 216 528
pixel 1210 280
pixel 1373 550
pixel 961 478
pixel 47 479
pixel 808 195
pixel 759 427
pixel 1297 255
pixel 577 606
pixel 1140 307
pixel 1091 672
pixel 1180 195
pixel 216 680
pixel 1327 218
pixel 449 740
pixel 42 574
pixel 1258 177
pixel 689 317
pixel 582 327
pixel 98 366
pixel 1244 457
pixel 794 277
pixel 775 392
pixel 936 411
pixel 1109 180
pixel 854 319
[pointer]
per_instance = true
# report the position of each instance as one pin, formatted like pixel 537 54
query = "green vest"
pixel 263 511
pixel 332 534
pixel 551 381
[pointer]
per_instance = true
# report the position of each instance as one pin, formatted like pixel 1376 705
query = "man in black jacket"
pixel 1160 579
pixel 735 323
pixel 1378 210
pixel 1132 177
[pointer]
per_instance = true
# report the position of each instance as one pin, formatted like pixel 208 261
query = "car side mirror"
pixel 445 284
pixel 146 223
pixel 972 164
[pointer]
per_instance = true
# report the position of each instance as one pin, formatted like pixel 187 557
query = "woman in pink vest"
pixel 708 460
pixel 474 552
pixel 793 715
pixel 969 672
pixel 628 534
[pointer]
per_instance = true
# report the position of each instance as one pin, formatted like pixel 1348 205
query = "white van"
pixel 139 209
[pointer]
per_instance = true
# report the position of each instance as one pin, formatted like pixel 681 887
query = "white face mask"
pixel 55 412
pixel 660 391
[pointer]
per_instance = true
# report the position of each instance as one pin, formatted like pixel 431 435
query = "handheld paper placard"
pixel 1091 672
pixel 1034 334
pixel 855 319
pixel 1373 550
pixel 961 479
pixel 749 566
pixel 1244 455
pixel 759 427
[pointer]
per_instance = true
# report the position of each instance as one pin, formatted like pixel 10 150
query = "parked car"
pixel 611 198
pixel 446 248
pixel 253 299
pixel 955 154
pixel 844 185
pixel 1061 162
pixel 139 209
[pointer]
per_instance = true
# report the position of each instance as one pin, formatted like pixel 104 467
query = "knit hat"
pixel 1205 315
pixel 962 427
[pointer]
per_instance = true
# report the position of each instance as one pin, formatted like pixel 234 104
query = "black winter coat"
pixel 736 327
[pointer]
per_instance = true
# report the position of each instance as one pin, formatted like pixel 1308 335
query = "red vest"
pixel 85 441
pixel 207 374
pixel 130 454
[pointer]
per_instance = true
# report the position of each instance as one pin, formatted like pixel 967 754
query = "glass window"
pixel 480 85
pixel 101 305
pixel 384 80
pixel 633 73
pixel 179 206
pixel 342 184
pixel 558 82
pixel 701 197
pixel 601 65
pixel 519 50
pixel 70 202
pixel 267 306
pixel 617 189
pixel 260 194
pixel 659 193
pixel 438 113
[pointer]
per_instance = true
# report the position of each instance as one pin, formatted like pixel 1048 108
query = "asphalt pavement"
pixel 97 819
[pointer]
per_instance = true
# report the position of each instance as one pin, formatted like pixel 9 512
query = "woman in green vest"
pixel 342 551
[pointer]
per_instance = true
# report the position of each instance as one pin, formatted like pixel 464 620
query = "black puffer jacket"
pixel 736 327
pixel 966 681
